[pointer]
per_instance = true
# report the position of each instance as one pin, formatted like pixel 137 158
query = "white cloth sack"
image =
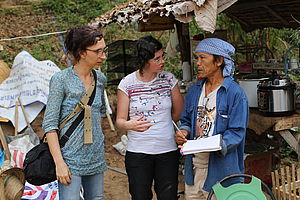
pixel 121 146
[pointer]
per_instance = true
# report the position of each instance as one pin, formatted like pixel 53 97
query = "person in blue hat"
pixel 216 104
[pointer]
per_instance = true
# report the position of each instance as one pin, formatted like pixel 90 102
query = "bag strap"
pixel 79 106
pixel 79 118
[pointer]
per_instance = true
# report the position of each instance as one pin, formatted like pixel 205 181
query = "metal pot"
pixel 276 96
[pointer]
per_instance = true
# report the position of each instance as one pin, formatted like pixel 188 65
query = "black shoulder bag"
pixel 39 166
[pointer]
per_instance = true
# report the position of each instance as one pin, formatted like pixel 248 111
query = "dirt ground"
pixel 115 181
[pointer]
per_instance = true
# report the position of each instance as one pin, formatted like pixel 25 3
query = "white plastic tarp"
pixel 29 80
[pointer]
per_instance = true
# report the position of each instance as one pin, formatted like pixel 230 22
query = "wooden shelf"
pixel 280 125
pixel 268 66
pixel 260 123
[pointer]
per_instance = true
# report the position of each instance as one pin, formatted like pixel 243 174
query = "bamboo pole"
pixel 294 181
pixel 286 184
pixel 288 177
pixel 283 183
pixel 111 124
pixel 277 184
pixel 24 113
pixel 16 118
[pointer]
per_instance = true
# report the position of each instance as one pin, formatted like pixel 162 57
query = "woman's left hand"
pixel 138 125
pixel 63 173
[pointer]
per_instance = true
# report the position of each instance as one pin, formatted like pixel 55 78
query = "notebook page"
pixel 212 143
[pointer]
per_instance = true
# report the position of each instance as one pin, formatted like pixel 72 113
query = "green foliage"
pixel 286 150
pixel 44 51
pixel 6 56
pixel 58 15
pixel 173 65
pixel 74 13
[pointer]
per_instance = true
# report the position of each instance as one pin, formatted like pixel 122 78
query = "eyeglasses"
pixel 158 60
pixel 99 52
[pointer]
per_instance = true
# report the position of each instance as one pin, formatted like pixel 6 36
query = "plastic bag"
pixel 18 149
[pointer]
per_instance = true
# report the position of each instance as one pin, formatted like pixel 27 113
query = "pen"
pixel 177 127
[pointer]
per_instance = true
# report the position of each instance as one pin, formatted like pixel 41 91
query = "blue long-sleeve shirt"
pixel 231 122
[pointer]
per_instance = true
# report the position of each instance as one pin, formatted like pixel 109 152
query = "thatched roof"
pixel 205 12
pixel 251 14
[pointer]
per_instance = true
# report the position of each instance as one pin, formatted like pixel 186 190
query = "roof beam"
pixel 276 15
pixel 254 4
pixel 239 20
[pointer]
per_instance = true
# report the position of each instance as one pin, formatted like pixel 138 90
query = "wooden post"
pixel 184 42
pixel 291 140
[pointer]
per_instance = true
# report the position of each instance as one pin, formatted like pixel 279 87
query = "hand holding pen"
pixel 180 135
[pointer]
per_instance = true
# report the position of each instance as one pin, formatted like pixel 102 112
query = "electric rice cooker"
pixel 276 96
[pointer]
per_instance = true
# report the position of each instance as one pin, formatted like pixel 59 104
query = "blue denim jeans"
pixel 93 187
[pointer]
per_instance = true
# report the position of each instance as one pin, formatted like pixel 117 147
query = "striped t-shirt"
pixel 153 100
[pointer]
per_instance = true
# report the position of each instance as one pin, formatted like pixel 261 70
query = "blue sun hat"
pixel 221 48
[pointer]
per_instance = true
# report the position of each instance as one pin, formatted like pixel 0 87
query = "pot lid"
pixel 253 79
pixel 276 82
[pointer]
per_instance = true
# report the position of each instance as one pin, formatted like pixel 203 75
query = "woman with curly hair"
pixel 148 101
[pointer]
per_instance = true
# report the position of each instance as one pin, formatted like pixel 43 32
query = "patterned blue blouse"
pixel 66 90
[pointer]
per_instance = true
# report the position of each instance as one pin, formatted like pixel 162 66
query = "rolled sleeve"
pixel 53 107
pixel 237 124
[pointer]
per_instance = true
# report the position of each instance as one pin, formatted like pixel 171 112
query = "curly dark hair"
pixel 79 38
pixel 145 50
